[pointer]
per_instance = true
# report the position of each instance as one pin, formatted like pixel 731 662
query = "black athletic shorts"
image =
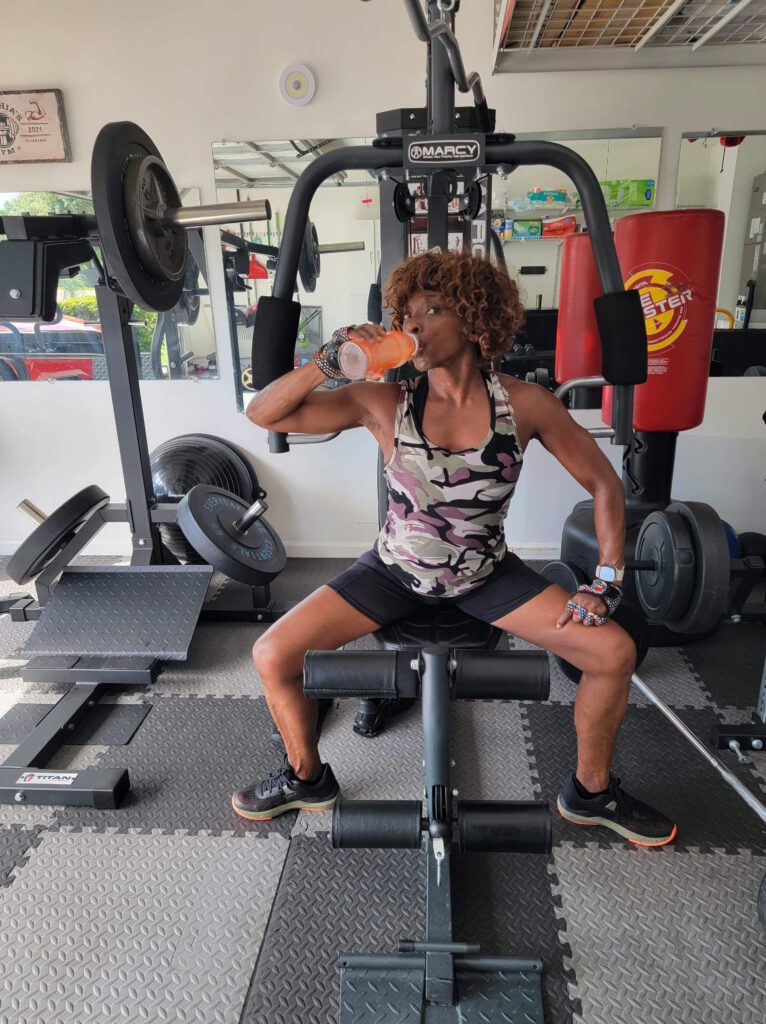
pixel 373 590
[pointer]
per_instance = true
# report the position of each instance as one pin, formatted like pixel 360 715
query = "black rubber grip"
pixel 621 325
pixel 377 824
pixel 276 328
pixel 501 675
pixel 359 674
pixel 500 826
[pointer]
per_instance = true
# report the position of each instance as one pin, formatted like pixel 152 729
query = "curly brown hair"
pixel 481 294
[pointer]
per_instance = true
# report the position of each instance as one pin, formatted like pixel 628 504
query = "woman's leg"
pixel 607 657
pixel 323 621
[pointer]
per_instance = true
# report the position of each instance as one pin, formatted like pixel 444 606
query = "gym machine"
pixel 442 654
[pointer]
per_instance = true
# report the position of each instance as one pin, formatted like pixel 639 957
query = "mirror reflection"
pixel 345 214
pixel 177 345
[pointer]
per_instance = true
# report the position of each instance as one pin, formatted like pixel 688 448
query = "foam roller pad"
pixel 623 337
pixel 276 328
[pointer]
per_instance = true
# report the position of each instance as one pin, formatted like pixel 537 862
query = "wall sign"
pixel 33 127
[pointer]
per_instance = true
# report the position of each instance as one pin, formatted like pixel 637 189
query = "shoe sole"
pixel 632 837
pixel 274 812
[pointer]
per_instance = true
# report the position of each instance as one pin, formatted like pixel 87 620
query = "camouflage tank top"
pixel 444 530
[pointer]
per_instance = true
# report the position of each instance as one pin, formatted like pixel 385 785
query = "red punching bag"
pixel 578 345
pixel 673 259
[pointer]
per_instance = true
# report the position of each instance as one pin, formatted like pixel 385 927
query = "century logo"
pixel 433 152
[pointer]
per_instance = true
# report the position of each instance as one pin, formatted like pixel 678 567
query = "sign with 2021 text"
pixel 33 127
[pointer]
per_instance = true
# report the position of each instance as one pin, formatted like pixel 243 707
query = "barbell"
pixel 142 223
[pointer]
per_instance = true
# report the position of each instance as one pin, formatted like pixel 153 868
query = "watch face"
pixel 608 573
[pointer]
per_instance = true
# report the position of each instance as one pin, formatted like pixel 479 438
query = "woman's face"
pixel 440 332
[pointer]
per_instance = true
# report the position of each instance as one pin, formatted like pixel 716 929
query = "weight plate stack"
pixel 208 517
pixel 665 591
pixel 712 568
pixel 131 185
pixel 49 539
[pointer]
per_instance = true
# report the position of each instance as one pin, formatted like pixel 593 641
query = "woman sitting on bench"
pixel 453 442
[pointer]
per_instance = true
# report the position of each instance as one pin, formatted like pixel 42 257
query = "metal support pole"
pixel 114 314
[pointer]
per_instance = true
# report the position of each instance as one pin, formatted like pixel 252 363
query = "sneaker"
pixel 619 811
pixel 282 791
pixel 373 713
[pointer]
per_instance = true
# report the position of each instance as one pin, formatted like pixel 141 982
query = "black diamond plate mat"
pixel 656 765
pixel 122 611
pixel 184 763
pixel 394 997
pixel 15 844
pixel 329 902
pixel 504 902
pixel 730 663
pixel 106 725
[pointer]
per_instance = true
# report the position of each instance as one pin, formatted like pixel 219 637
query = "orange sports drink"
pixel 362 358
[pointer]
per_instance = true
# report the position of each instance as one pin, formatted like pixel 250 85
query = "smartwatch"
pixel 610 574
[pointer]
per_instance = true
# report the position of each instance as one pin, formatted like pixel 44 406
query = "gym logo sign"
pixel 423 153
pixel 665 304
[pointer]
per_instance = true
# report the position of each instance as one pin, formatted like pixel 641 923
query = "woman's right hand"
pixel 369 332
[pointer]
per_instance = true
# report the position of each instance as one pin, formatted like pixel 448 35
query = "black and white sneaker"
pixel 282 791
pixel 615 809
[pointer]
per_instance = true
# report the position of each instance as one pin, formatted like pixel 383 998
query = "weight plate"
pixel 666 590
pixel 569 577
pixel 712 568
pixel 755 371
pixel 149 192
pixel 186 312
pixel 404 203
pixel 472 201
pixel 52 535
pixel 119 147
pixel 207 516
pixel 753 544
pixel 247 379
pixel 309 262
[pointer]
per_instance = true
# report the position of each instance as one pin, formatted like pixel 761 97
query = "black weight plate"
pixel 472 201
pixel 149 191
pixel 569 577
pixel 309 262
pixel 118 145
pixel 404 203
pixel 207 516
pixel 665 591
pixel 52 535
pixel 189 305
pixel 712 568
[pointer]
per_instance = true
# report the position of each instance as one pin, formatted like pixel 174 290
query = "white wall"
pixel 191 74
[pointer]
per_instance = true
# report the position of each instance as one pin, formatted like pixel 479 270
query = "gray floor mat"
pixel 15 844
pixel 730 663
pixel 106 725
pixel 658 936
pixel 657 766
pixel 98 928
pixel 184 763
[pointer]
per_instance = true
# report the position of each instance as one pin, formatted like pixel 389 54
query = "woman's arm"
pixel 579 454
pixel 291 404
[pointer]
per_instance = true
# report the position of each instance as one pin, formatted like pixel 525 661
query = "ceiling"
pixel 550 35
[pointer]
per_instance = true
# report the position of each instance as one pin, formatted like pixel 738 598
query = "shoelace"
pixel 275 780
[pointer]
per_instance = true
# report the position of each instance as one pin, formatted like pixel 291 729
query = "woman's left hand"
pixel 585 608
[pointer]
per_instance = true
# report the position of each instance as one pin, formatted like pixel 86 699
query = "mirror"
pixel 345 212
pixel 726 170
pixel 179 345
pixel 535 207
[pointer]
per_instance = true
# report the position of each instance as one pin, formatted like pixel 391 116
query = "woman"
pixel 453 443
